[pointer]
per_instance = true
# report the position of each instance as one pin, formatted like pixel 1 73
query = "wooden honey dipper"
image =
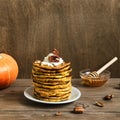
pixel 96 73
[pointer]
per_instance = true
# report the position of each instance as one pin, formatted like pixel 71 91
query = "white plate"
pixel 75 94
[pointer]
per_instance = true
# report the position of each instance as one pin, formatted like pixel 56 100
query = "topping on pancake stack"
pixel 52 78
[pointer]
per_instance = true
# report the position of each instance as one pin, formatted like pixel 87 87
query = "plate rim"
pixel 30 96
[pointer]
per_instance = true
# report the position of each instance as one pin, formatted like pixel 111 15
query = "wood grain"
pixel 13 104
pixel 85 32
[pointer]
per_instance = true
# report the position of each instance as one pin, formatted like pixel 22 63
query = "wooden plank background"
pixel 86 32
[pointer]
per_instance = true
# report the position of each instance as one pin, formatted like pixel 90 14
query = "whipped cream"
pixel 47 61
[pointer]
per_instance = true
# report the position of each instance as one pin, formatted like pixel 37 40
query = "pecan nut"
pixel 99 104
pixel 108 97
pixel 78 109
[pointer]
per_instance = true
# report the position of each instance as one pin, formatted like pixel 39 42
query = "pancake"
pixel 52 78
pixel 53 90
pixel 52 86
pixel 50 83
pixel 35 68
pixel 61 66
pixel 52 99
pixel 47 94
pixel 49 80
pixel 39 72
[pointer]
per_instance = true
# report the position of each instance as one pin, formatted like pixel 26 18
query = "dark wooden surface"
pixel 14 106
pixel 86 32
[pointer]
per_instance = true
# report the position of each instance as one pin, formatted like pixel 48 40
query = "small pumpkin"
pixel 8 70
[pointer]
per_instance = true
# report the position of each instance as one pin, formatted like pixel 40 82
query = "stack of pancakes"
pixel 51 84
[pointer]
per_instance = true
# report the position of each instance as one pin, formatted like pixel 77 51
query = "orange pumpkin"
pixel 8 70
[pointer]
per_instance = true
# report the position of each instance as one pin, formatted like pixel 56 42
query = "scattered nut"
pixel 78 109
pixel 108 97
pixel 99 104
pixel 58 114
pixel 55 51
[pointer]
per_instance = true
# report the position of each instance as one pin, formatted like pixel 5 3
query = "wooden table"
pixel 14 106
